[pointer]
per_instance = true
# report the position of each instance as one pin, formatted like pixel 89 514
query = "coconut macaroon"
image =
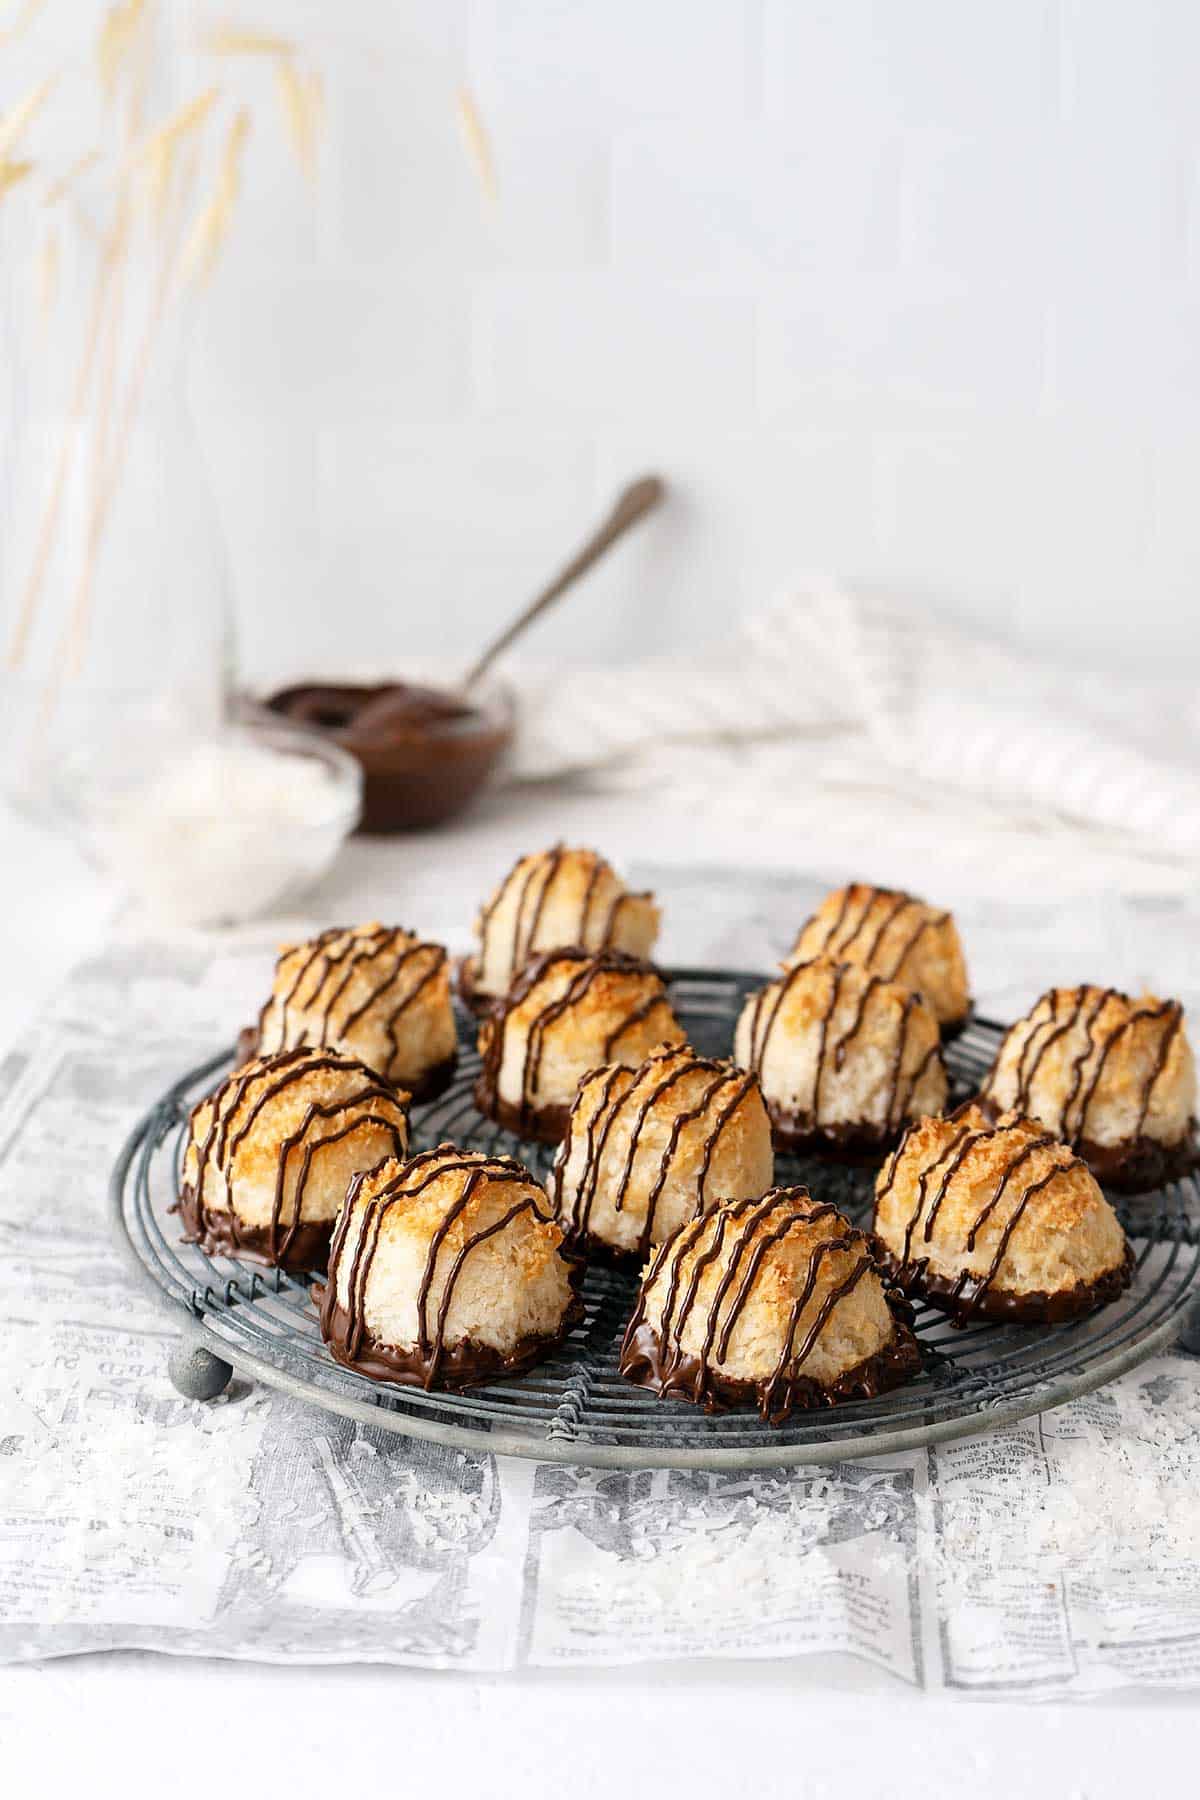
pixel 845 1057
pixel 648 1149
pixel 446 1271
pixel 271 1152
pixel 998 1219
pixel 896 936
pixel 568 1013
pixel 1113 1077
pixel 779 1300
pixel 374 992
pixel 554 899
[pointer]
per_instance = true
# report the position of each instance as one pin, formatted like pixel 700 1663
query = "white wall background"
pixel 904 289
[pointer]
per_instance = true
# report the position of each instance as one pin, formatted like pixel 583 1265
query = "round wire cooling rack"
pixel 574 1407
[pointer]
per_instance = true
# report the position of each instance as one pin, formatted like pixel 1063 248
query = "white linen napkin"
pixel 895 686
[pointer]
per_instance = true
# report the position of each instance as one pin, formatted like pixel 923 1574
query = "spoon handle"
pixel 639 498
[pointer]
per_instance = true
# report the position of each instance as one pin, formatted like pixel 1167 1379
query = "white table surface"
pixel 141 1724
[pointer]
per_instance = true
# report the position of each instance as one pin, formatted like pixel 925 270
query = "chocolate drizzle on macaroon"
pixel 628 1099
pixel 543 1120
pixel 1105 1019
pixel 969 1294
pixel 805 1127
pixel 902 922
pixel 237 1106
pixel 594 924
pixel 737 1240
pixel 533 895
pixel 880 929
pixel 306 1009
pixel 431 1361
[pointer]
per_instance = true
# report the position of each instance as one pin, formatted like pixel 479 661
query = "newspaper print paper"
pixel 1060 1557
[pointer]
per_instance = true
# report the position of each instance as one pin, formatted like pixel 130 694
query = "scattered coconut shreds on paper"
pixel 1124 1497
pixel 302 99
pixel 212 227
pixel 476 140
pixel 16 123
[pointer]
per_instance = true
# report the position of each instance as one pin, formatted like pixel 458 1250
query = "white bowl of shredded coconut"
pixel 216 827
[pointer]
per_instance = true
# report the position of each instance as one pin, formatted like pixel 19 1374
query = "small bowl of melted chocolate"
pixel 425 752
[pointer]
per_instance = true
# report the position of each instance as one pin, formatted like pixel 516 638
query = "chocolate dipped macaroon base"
pixel 1141 1164
pixel 459 1366
pixel 467 990
pixel 967 1298
pixel 998 1219
pixel 538 1124
pixel 1137 1165
pixel 779 1299
pixel 673 1376
pixel 858 1147
pixel 446 1271
pixel 305 1251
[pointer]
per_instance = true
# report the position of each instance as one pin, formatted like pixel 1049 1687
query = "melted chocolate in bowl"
pixel 425 752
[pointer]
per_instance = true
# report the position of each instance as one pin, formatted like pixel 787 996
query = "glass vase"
pixel 115 614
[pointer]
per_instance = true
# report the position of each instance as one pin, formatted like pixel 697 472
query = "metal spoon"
pixel 639 498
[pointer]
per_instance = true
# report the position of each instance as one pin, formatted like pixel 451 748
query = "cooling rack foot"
pixel 1189 1334
pixel 197 1373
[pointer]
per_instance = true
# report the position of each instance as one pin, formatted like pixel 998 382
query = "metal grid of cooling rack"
pixel 575 1407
